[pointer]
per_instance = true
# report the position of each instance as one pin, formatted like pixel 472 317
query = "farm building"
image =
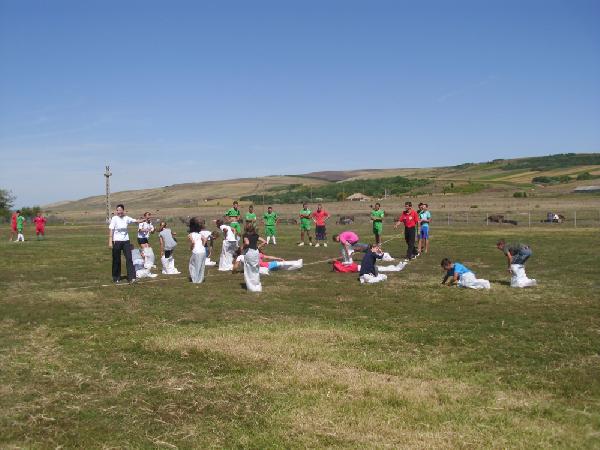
pixel 358 197
pixel 587 189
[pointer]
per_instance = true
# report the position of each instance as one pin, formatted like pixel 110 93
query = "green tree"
pixel 6 202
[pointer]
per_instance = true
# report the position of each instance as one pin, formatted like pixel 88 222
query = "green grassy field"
pixel 316 360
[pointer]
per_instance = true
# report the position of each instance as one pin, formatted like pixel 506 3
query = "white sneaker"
pixel 324 244
pixel 300 244
pixel 317 245
pixel 310 243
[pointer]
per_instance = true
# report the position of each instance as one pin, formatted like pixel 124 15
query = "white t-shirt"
pixel 198 246
pixel 206 234
pixel 119 227
pixel 144 230
pixel 228 233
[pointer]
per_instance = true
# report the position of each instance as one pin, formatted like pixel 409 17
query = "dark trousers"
pixel 125 247
pixel 410 235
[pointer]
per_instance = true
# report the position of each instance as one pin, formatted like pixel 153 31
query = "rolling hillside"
pixel 497 177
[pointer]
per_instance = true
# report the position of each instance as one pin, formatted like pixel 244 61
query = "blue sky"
pixel 179 91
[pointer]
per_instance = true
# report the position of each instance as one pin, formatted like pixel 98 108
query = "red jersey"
pixel 320 217
pixel 40 222
pixel 409 219
pixel 13 221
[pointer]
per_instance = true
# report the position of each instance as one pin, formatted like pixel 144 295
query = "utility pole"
pixel 107 175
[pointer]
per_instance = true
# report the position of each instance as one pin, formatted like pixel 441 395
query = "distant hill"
pixel 562 170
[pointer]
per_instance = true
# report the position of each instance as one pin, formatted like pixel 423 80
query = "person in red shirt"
pixel 319 217
pixel 13 226
pixel 40 225
pixel 410 219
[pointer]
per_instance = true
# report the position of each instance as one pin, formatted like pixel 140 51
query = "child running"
pixel 424 221
pixel 462 276
pixel 320 217
pixel 270 219
pixel 168 243
pixel 198 257
pixel 377 215
pixel 40 226
pixel 145 229
pixel 305 225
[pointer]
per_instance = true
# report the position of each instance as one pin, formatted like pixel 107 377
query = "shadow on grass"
pixel 503 282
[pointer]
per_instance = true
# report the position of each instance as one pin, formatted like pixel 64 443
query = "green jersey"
pixel 303 220
pixel 232 212
pixel 377 215
pixel 250 217
pixel 20 222
pixel 270 219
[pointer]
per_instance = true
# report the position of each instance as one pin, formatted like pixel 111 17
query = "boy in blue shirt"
pixel 424 219
pixel 462 276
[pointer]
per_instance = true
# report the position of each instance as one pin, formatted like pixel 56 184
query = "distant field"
pixel 316 360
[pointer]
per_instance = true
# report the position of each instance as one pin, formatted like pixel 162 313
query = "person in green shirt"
pixel 20 226
pixel 305 225
pixel 233 215
pixel 250 215
pixel 377 215
pixel 270 220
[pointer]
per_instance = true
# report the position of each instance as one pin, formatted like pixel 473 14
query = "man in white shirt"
pixel 118 240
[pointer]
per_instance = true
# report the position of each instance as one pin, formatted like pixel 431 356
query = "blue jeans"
pixel 522 256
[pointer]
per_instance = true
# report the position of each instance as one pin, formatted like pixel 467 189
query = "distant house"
pixel 358 197
pixel 586 189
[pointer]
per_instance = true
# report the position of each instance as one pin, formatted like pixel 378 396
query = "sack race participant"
pixel 339 266
pixel 516 256
pixel 251 242
pixel 462 276
pixel 40 226
pixel 118 241
pixel 276 263
pixel 368 267
pixel 138 263
pixel 167 246
pixel 230 245
pixel 210 237
pixel 198 258
pixel 145 229
pixel 350 244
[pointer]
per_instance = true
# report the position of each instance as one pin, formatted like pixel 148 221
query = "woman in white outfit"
pixel 251 243
pixel 198 257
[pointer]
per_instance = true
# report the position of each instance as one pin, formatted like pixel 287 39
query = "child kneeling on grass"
pixel 368 267
pixel 462 276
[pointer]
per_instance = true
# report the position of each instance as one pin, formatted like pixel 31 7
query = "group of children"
pixel 246 249
pixel 17 226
